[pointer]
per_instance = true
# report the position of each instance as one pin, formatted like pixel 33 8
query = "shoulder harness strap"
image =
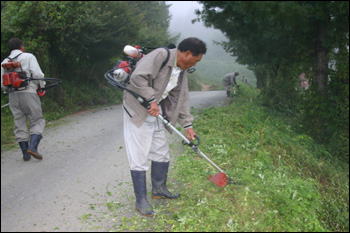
pixel 167 58
pixel 14 57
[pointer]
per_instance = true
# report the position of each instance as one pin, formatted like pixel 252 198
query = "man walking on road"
pixel 23 98
pixel 166 90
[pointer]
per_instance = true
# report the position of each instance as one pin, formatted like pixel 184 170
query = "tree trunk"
pixel 321 70
pixel 321 76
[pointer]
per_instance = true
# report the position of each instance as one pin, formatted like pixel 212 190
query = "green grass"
pixel 284 180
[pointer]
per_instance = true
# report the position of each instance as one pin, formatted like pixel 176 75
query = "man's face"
pixel 189 60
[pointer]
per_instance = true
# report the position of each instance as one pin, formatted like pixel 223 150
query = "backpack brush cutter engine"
pixel 16 84
pixel 17 80
pixel 219 179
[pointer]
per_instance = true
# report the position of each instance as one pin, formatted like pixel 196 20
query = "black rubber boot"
pixel 142 205
pixel 33 146
pixel 24 147
pixel 228 93
pixel 159 177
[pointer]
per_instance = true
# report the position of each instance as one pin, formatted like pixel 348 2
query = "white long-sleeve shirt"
pixel 29 65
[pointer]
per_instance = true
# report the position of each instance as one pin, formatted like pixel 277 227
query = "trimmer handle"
pixel 191 143
pixel 143 102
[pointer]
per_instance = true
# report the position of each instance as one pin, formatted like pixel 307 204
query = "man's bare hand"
pixel 190 134
pixel 154 110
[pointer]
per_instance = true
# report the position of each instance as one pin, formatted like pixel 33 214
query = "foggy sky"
pixel 182 13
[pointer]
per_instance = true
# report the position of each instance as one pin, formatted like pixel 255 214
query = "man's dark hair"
pixel 14 44
pixel 195 45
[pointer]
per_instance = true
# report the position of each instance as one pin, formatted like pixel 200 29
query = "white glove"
pixel 120 75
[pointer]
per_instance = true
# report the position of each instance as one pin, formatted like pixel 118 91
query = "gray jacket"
pixel 229 79
pixel 150 82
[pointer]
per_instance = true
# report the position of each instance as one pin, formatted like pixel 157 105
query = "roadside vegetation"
pixel 285 181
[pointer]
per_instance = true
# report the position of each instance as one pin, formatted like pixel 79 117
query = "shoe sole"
pixel 159 197
pixel 147 215
pixel 35 155
pixel 162 197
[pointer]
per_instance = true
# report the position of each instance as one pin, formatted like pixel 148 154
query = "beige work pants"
pixel 146 142
pixel 23 106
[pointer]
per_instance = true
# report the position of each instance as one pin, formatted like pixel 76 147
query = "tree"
pixel 154 32
pixel 279 40
pixel 265 32
pixel 78 41
pixel 70 36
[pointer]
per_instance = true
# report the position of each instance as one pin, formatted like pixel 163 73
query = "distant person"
pixel 244 79
pixel 304 84
pixel 230 80
pixel 24 101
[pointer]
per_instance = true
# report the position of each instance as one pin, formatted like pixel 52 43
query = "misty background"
pixel 216 62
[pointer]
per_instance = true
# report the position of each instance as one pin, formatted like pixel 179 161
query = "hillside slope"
pixel 284 180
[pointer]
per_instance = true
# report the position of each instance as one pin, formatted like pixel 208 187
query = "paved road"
pixel 84 171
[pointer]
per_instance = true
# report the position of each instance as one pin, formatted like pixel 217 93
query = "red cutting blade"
pixel 219 179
